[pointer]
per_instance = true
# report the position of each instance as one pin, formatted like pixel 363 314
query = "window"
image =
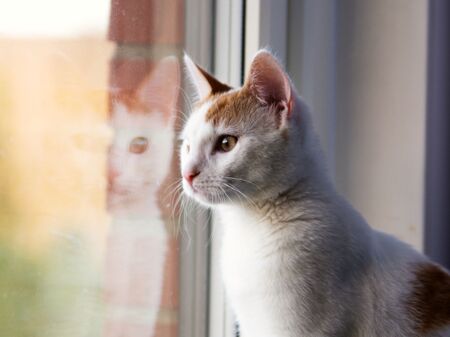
pixel 93 241
pixel 53 139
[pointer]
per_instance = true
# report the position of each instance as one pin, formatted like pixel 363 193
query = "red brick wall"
pixel 147 21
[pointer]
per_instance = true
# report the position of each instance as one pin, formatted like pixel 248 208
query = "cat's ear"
pixel 160 89
pixel 268 82
pixel 204 83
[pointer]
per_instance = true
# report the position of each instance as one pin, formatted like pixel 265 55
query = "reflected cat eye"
pixel 226 143
pixel 138 145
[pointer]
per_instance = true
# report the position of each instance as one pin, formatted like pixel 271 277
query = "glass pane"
pixel 88 173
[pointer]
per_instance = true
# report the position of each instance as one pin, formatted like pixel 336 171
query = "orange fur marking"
pixel 429 304
pixel 233 108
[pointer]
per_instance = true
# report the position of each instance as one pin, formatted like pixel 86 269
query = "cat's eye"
pixel 188 148
pixel 226 143
pixel 138 145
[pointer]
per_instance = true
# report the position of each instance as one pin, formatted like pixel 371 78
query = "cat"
pixel 139 160
pixel 297 259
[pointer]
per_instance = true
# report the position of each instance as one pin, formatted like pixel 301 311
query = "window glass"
pixel 89 101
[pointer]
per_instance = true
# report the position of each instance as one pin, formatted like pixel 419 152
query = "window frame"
pixel 228 67
pixel 195 231
pixel 241 28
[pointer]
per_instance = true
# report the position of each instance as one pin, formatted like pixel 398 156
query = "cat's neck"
pixel 301 201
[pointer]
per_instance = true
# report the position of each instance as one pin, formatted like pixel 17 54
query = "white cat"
pixel 297 259
pixel 138 162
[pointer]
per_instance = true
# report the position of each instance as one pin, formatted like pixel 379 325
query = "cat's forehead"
pixel 198 127
pixel 231 108
pixel 222 111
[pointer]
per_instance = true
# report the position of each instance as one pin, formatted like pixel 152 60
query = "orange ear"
pixel 159 90
pixel 267 80
pixel 204 83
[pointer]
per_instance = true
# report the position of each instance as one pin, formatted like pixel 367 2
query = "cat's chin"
pixel 205 202
pixel 202 198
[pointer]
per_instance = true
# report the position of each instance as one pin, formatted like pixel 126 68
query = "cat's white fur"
pixel 297 259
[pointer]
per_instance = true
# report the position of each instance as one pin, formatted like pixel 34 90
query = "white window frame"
pixel 195 234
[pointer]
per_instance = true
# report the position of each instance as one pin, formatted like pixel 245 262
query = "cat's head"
pixel 245 143
pixel 142 120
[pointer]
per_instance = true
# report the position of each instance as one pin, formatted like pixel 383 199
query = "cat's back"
pixel 406 294
pixel 393 290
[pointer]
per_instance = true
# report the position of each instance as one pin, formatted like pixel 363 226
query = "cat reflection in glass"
pixel 139 160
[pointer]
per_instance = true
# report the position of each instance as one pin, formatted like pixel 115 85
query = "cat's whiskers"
pixel 244 180
pixel 175 188
pixel 177 206
pixel 183 220
pixel 246 197
pixel 224 193
pixel 176 195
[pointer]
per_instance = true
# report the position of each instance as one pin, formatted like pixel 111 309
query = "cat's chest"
pixel 250 261
pixel 251 266
pixel 246 257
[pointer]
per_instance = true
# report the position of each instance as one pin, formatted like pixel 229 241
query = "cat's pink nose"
pixel 190 175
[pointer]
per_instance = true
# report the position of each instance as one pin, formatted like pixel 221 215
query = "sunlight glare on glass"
pixel 53 18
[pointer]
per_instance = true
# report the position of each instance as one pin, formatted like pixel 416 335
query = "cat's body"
pixel 297 259
pixel 315 275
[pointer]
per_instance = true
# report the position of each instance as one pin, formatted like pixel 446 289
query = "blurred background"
pixel 53 104
pixel 375 73
pixel 62 250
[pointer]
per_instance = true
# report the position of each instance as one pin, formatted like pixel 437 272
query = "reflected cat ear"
pixel 204 83
pixel 267 81
pixel 160 89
